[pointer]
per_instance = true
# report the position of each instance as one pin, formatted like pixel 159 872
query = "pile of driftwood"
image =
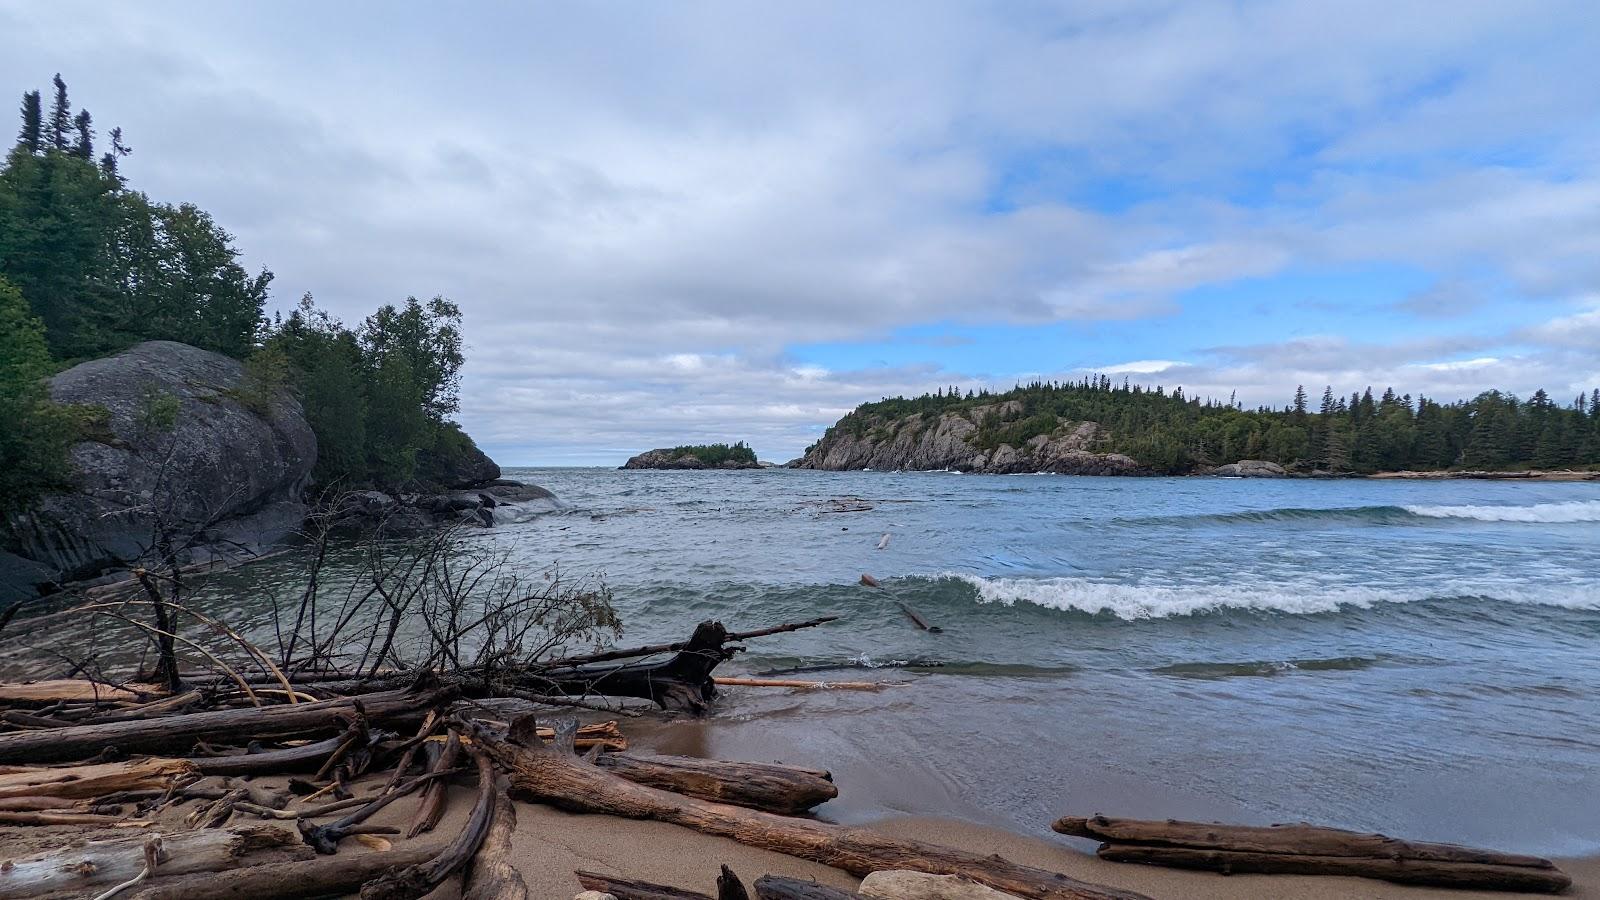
pixel 1312 850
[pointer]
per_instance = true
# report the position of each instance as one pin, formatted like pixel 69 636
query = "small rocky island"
pixel 697 456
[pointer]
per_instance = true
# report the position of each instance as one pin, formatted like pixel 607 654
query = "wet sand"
pixel 551 844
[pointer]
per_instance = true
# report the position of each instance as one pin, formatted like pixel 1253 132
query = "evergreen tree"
pixel 83 147
pixel 30 139
pixel 60 118
pixel 37 432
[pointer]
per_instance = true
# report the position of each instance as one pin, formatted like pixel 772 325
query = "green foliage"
pixel 716 454
pixel 104 267
pixel 158 411
pixel 36 432
pixel 1171 433
pixel 376 396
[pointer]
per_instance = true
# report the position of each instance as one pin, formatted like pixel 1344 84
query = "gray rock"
pixel 1250 468
pixel 464 466
pixel 928 443
pixel 184 441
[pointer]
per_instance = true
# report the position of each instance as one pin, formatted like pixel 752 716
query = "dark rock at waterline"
pixel 500 502
pixel 455 462
pixel 665 459
pixel 181 436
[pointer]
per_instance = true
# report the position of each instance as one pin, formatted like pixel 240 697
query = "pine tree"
pixel 83 147
pixel 109 162
pixel 37 432
pixel 60 118
pixel 31 136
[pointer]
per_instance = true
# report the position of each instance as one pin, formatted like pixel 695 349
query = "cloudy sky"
pixel 678 222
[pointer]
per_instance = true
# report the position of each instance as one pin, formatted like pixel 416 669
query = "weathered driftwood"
pixel 303 758
pixel 1481 876
pixel 903 885
pixel 178 733
pixel 653 649
pixel 780 789
pixel 491 874
pixel 327 876
pixel 626 889
pixel 96 780
pixel 325 838
pixel 52 817
pixel 551 776
pixel 415 881
pixel 1304 840
pixel 96 864
pixel 777 887
pixel 799 684
pixel 434 797
pixel 74 689
pixel 729 887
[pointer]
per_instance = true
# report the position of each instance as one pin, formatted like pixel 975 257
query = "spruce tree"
pixel 60 118
pixel 31 136
pixel 83 147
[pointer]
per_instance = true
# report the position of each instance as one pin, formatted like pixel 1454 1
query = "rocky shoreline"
pixel 182 443
pixel 664 458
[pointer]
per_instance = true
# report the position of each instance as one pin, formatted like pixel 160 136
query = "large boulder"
pixel 183 442
pixel 454 462
pixel 1250 468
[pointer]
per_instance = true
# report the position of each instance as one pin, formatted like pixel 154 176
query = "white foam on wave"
pixel 1554 513
pixel 1157 601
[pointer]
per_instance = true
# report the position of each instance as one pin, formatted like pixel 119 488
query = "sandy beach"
pixel 551 844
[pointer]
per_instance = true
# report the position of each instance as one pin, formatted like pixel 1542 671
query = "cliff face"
pixel 182 443
pixel 947 441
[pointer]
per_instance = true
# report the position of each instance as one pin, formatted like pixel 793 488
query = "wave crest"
pixel 1158 601
pixel 1552 513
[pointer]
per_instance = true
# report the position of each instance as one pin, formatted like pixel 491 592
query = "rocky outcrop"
pixel 1250 468
pixel 181 438
pixel 499 502
pixel 666 459
pixel 456 462
pixel 952 441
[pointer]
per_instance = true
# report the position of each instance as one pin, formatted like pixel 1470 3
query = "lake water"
pixel 1421 658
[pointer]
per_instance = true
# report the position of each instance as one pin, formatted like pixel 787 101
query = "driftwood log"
pixel 95 780
pixel 178 733
pixel 786 790
pixel 415 881
pixel 1312 850
pixel 101 863
pixel 626 889
pixel 328 876
pixel 902 885
pixel 491 874
pixel 550 775
pixel 777 887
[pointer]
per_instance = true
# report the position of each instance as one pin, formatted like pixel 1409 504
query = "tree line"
pixel 90 266
pixel 1172 433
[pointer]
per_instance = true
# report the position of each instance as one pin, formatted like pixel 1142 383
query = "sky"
pixel 682 222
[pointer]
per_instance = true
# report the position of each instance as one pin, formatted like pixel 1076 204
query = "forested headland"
pixel 90 265
pixel 1169 432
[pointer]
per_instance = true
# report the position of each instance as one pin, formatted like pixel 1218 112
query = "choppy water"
pixel 1420 658
pixel 1416 657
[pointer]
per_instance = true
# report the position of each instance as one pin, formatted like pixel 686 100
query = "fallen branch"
pixel 178 733
pixel 95 864
pixel 803 685
pixel 777 887
pixel 549 775
pixel 1312 850
pixel 491 874
pixel 785 790
pixel 419 880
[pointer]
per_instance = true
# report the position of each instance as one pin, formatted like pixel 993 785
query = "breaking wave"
pixel 1157 601
pixel 1546 513
pixel 1568 512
